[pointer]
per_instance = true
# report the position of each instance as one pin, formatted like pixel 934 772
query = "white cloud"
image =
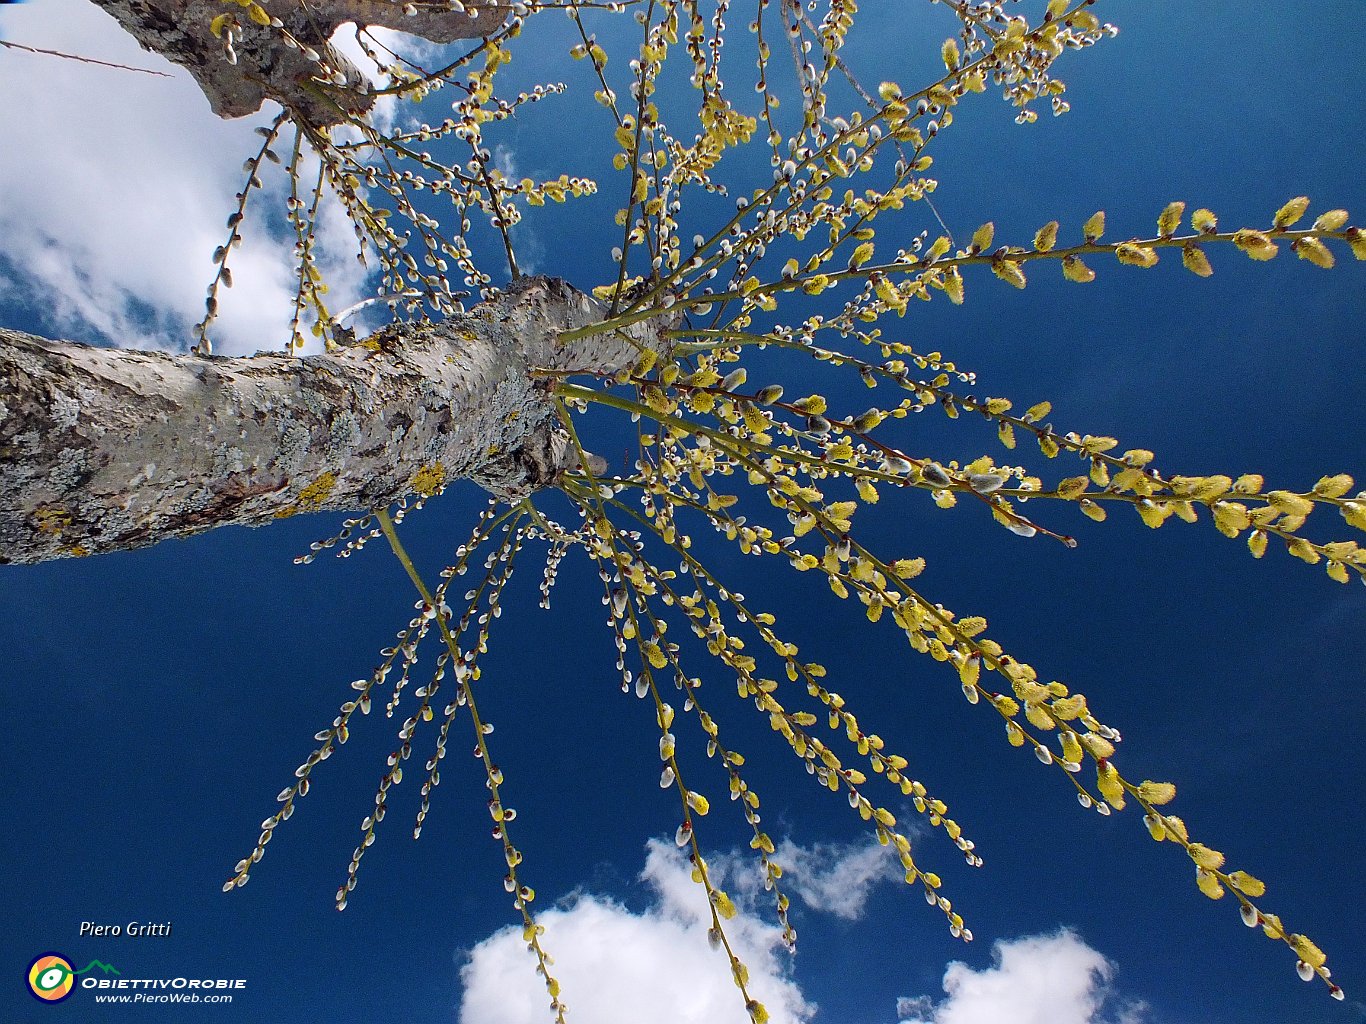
pixel 386 44
pixel 619 967
pixel 831 878
pixel 1038 979
pixel 836 877
pixel 529 248
pixel 616 966
pixel 117 188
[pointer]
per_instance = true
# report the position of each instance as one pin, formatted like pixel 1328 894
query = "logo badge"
pixel 50 977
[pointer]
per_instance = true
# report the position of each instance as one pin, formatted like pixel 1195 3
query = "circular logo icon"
pixel 50 977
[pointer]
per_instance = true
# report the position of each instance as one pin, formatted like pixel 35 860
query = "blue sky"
pixel 157 700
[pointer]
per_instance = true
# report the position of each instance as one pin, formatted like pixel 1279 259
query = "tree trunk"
pixel 310 77
pixel 108 449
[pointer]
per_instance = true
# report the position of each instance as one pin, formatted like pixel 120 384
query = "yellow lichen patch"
pixel 429 479
pixel 311 498
pixel 52 520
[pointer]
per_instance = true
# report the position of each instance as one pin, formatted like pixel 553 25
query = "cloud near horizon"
pixel 616 966
pixel 619 966
pixel 1036 979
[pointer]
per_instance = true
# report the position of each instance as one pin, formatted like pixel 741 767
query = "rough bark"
pixel 108 449
pixel 269 68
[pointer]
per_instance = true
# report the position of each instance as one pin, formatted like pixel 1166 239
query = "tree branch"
pixel 267 67
pixel 109 449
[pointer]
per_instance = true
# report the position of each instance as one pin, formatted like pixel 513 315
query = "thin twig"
pixel 83 60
